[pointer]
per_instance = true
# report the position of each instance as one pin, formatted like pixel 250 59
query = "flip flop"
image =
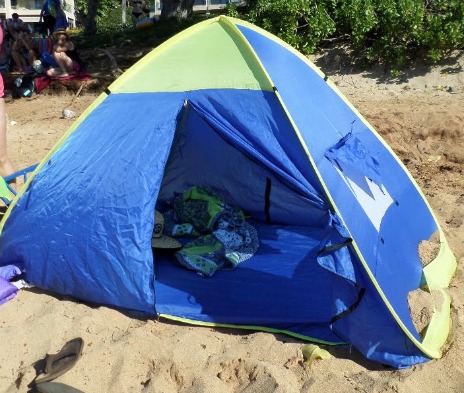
pixel 56 387
pixel 58 364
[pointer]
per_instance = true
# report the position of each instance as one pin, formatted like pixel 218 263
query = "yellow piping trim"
pixel 438 275
pixel 65 136
pixel 249 327
pixel 277 40
pixel 227 22
pixel 439 327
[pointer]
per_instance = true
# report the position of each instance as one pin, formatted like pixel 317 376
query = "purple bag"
pixel 7 290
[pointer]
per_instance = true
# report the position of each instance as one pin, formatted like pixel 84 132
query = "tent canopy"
pixel 226 105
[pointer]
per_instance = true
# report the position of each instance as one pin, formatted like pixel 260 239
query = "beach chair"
pixel 7 193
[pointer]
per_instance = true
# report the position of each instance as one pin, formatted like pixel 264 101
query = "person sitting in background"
pixel 138 11
pixel 15 26
pixel 20 42
pixel 23 52
pixel 65 54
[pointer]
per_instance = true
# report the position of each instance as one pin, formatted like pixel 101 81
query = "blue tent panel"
pixel 92 243
pixel 319 114
pixel 238 155
pixel 349 157
pixel 277 288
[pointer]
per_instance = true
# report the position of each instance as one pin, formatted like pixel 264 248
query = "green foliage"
pixel 388 31
pixel 382 31
pixel 300 23
pixel 395 74
pixel 443 27
pixel 395 31
pixel 356 17
pixel 105 7
pixel 111 31
pixel 110 21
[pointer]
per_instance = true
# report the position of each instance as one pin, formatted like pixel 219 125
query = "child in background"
pixel 65 55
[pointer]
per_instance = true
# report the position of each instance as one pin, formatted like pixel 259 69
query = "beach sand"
pixel 421 116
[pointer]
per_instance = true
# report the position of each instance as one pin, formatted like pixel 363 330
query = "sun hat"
pixel 60 31
pixel 159 240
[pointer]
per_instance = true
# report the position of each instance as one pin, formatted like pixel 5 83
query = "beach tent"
pixel 226 105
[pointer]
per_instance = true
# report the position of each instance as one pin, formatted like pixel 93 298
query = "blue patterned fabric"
pixel 224 238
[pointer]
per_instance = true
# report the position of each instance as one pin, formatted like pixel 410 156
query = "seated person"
pixel 65 54
pixel 23 51
pixel 14 26
pixel 139 10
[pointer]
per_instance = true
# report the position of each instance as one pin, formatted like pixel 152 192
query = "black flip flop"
pixel 58 364
pixel 55 387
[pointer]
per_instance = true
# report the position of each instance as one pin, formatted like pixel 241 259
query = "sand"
pixel 421 117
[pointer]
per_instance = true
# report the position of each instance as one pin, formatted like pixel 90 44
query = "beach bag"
pixel 23 86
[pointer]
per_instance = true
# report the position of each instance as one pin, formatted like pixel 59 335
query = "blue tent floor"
pixel 280 287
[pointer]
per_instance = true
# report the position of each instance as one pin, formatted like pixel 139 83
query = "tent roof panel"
pixel 212 55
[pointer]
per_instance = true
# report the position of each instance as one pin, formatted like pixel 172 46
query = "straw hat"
pixel 60 31
pixel 159 240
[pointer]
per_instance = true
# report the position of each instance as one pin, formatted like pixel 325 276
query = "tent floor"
pixel 280 287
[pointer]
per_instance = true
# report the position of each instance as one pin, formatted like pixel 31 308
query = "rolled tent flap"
pixel 350 153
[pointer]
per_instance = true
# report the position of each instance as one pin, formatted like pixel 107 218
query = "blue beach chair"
pixel 7 193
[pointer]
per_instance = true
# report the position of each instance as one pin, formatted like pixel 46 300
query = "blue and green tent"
pixel 226 105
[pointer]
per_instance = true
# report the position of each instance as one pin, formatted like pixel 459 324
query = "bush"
pixel 300 23
pixel 388 31
pixel 111 30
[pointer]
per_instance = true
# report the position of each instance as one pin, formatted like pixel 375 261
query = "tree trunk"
pixel 123 14
pixel 180 9
pixel 90 26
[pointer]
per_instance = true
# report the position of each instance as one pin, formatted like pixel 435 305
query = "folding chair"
pixel 7 193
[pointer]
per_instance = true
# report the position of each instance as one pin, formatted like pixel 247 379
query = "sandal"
pixel 58 364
